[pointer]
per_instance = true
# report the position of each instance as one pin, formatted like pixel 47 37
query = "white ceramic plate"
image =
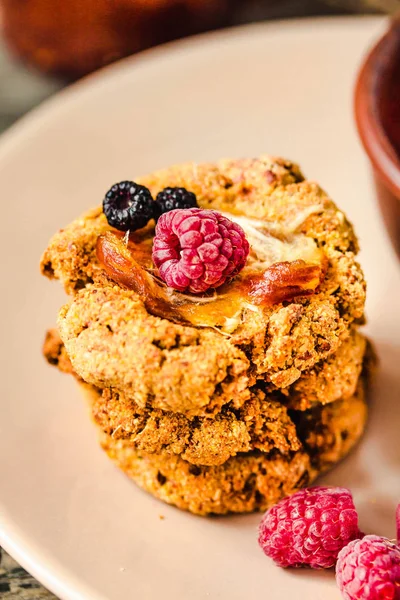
pixel 66 513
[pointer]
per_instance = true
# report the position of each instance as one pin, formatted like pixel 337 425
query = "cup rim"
pixel 380 150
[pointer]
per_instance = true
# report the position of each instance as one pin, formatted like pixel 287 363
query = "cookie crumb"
pixel 162 517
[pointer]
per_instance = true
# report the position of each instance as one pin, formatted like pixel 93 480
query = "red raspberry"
pixel 369 569
pixel 196 249
pixel 398 523
pixel 309 528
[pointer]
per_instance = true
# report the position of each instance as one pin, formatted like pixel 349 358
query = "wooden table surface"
pixel 21 90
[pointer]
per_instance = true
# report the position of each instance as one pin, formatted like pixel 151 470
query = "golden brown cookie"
pixel 114 341
pixel 261 423
pixel 333 379
pixel 149 445
pixel 250 481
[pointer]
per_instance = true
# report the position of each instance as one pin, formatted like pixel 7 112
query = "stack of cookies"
pixel 222 401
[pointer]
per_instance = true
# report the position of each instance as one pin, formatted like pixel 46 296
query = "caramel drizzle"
pixel 280 282
pixel 120 265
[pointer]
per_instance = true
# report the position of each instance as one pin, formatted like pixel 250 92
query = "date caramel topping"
pixel 283 265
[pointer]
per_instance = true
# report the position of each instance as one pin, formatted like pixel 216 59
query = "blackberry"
pixel 172 199
pixel 128 205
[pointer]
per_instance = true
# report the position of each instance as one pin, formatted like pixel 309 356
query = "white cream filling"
pixel 278 242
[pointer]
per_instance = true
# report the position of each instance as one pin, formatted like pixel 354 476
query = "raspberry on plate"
pixel 197 249
pixel 309 528
pixel 369 569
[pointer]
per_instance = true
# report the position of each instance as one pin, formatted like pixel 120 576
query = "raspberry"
pixel 128 205
pixel 172 199
pixel 197 249
pixel 398 523
pixel 309 528
pixel 369 569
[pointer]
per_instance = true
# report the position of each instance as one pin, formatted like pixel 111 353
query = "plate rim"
pixel 56 101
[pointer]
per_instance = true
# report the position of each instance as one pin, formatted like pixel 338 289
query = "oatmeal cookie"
pixel 250 481
pixel 262 423
pixel 113 340
pixel 181 369
pixel 333 379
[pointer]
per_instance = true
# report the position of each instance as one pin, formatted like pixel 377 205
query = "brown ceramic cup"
pixel 377 111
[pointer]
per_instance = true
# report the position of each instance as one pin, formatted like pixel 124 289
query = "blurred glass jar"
pixel 71 38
